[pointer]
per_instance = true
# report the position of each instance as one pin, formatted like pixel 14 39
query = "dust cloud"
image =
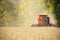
pixel 28 11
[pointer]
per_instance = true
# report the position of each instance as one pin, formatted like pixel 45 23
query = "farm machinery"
pixel 43 20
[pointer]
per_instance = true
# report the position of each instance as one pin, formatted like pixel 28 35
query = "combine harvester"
pixel 43 20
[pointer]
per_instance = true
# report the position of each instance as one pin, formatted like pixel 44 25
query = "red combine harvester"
pixel 43 20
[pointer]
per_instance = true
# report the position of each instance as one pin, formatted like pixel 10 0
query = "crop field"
pixel 29 33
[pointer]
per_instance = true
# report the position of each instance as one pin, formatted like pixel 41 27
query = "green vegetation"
pixel 54 6
pixel 8 15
